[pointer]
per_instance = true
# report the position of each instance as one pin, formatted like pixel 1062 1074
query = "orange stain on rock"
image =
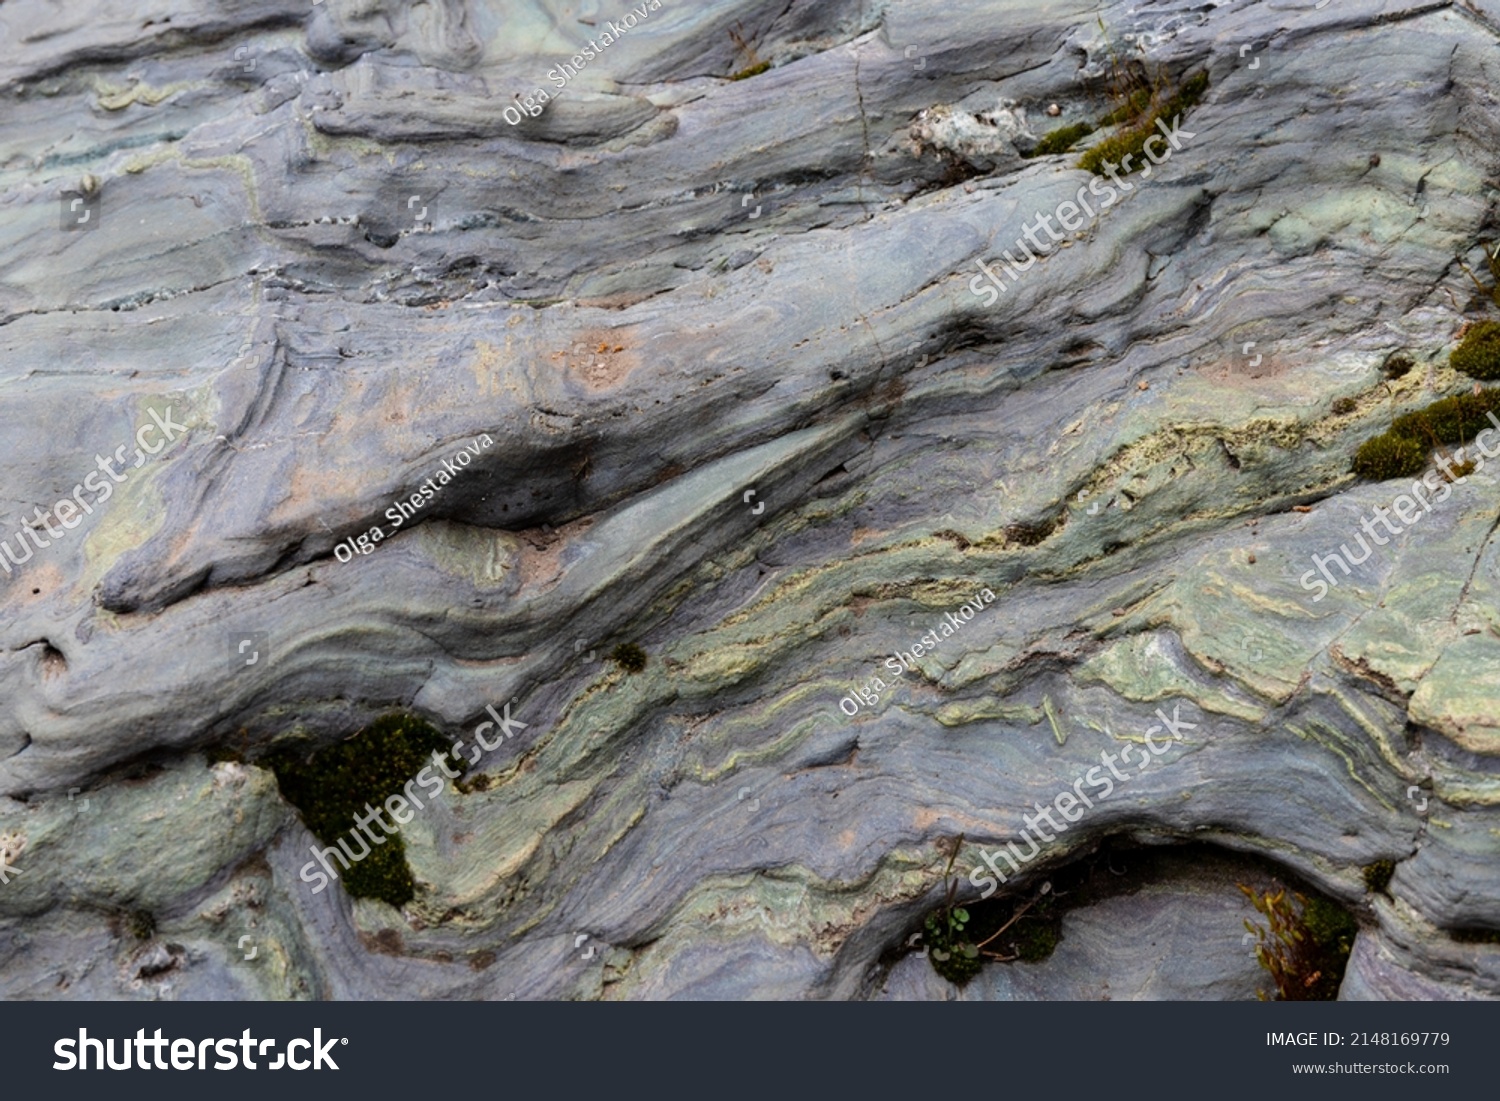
pixel 600 358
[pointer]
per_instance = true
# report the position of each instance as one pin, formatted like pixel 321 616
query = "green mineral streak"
pixel 1062 739
pixel 1333 740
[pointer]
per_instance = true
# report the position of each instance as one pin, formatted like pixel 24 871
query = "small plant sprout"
pixel 951 954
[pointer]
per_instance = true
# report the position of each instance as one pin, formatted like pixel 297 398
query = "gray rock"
pixel 743 410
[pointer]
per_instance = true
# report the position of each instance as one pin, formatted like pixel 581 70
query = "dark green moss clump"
pixel 336 783
pixel 140 924
pixel 753 70
pixel 948 950
pixel 1450 420
pixel 1331 929
pixel 1479 354
pixel 1477 936
pixel 1132 106
pixel 1389 456
pixel 1188 96
pixel 1062 139
pixel 1113 150
pixel 1005 930
pixel 1030 533
pixel 1378 875
pixel 629 657
pixel 1397 365
pixel 1029 930
pixel 951 951
pixel 1402 450
pixel 1131 140
pixel 1035 940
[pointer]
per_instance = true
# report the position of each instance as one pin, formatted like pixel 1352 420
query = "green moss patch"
pixel 1402 450
pixel 1378 875
pixel 1131 107
pixel 753 70
pixel 1331 930
pixel 959 939
pixel 1037 938
pixel 1062 139
pixel 1131 140
pixel 1023 928
pixel 1388 456
pixel 1449 420
pixel 1397 365
pixel 1478 356
pixel 334 785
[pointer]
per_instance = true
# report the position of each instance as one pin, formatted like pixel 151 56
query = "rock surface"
pixel 743 410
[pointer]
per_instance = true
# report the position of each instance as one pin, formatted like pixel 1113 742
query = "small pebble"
pixel 1252 559
pixel 1054 110
pixel 1374 160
